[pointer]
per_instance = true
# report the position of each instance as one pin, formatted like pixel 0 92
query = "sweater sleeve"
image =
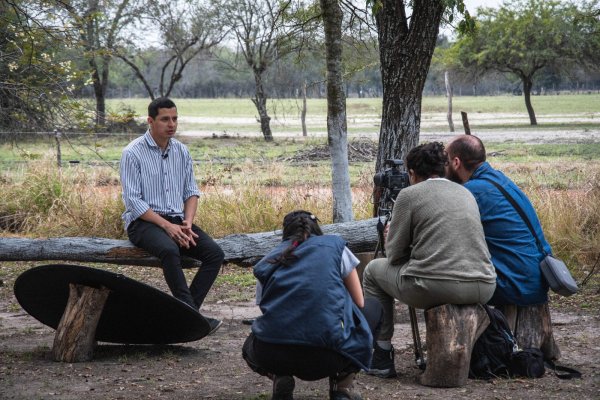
pixel 399 237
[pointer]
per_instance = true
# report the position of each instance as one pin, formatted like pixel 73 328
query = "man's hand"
pixel 181 234
pixel 186 228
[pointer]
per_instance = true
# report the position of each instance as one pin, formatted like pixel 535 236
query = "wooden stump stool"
pixel 532 327
pixel 451 333
pixel 75 336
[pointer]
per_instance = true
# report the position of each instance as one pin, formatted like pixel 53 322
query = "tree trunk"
pixel 449 96
pixel 99 92
pixel 75 335
pixel 405 55
pixel 451 332
pixel 337 135
pixel 361 236
pixel 303 112
pixel 527 85
pixel 260 101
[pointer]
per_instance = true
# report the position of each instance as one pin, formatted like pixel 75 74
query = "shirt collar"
pixel 480 170
pixel 150 141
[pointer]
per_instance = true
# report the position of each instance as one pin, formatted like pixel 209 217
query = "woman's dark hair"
pixel 428 159
pixel 297 227
pixel 161 102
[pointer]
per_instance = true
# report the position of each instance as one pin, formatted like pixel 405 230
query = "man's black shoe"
pixel 382 364
pixel 214 324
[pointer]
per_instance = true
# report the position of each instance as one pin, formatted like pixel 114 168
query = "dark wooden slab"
pixel 134 313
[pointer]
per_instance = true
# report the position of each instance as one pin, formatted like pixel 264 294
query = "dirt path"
pixel 212 368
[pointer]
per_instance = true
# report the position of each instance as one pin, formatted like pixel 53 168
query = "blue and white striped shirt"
pixel 155 180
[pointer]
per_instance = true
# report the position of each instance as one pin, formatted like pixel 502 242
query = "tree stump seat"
pixel 86 305
pixel 451 332
pixel 532 327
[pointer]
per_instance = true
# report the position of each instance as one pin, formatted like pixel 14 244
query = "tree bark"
pixel 449 96
pixel 532 327
pixel 260 101
pixel 405 55
pixel 75 335
pixel 303 112
pixel 337 132
pixel 244 249
pixel 527 85
pixel 451 333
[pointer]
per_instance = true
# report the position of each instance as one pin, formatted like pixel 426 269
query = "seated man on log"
pixel 436 251
pixel 515 253
pixel 161 196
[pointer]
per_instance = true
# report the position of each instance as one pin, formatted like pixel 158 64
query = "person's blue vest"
pixel 306 303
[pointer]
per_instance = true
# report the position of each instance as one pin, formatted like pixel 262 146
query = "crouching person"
pixel 435 247
pixel 315 323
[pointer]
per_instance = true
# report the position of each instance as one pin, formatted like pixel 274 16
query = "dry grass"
pixel 83 202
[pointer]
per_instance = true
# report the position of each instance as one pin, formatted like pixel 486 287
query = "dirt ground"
pixel 212 368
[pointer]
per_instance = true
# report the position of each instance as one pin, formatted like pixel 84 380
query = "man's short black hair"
pixel 161 102
pixel 469 149
pixel 427 159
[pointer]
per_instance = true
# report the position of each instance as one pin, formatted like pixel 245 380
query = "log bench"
pixel 85 305
pixel 451 332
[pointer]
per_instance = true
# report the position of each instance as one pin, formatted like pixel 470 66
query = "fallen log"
pixel 242 249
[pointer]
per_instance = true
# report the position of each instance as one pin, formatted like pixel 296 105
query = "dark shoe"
pixel 214 324
pixel 283 387
pixel 342 388
pixel 382 365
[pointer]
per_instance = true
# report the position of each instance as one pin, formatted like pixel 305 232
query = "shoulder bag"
pixel 554 270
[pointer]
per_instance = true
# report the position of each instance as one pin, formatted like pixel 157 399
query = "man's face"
pixel 164 126
pixel 451 170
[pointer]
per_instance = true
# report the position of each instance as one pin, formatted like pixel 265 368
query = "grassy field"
pixel 543 105
pixel 238 116
pixel 250 184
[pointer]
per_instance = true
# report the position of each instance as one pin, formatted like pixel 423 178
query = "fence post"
pixel 58 154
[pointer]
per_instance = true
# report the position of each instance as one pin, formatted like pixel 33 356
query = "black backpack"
pixel 493 351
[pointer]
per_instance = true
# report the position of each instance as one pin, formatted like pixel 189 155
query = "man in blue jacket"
pixel 513 248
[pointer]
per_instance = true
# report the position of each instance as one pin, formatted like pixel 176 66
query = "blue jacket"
pixel 514 251
pixel 307 303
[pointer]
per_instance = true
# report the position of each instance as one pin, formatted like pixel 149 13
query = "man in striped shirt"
pixel 161 196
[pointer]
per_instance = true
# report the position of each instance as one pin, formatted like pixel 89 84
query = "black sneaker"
pixel 382 365
pixel 283 387
pixel 214 324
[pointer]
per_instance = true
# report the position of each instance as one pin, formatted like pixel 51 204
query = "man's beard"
pixel 452 175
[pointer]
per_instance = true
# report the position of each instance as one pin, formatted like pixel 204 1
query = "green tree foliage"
pixel 35 77
pixel 524 37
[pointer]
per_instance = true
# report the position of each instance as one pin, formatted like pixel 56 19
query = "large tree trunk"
pixel 337 134
pixel 260 101
pixel 527 85
pixel 405 55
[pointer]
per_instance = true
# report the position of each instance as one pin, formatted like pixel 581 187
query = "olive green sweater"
pixel 436 226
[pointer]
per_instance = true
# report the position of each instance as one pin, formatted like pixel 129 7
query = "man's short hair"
pixel 469 149
pixel 161 102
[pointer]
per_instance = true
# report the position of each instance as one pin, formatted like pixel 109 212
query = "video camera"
pixel 392 180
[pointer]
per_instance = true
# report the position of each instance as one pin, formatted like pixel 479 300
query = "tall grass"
pixel 87 202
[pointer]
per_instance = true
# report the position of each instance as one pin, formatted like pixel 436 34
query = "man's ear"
pixel 150 120
pixel 456 163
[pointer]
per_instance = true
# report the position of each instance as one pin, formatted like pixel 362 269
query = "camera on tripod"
pixel 392 180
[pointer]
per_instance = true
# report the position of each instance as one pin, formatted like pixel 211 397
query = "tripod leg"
pixel 419 357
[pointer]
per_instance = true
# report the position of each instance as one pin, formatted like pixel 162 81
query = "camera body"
pixel 392 180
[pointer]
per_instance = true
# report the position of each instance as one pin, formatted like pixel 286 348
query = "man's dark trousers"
pixel 157 242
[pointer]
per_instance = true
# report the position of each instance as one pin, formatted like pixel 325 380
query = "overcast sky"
pixel 472 5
